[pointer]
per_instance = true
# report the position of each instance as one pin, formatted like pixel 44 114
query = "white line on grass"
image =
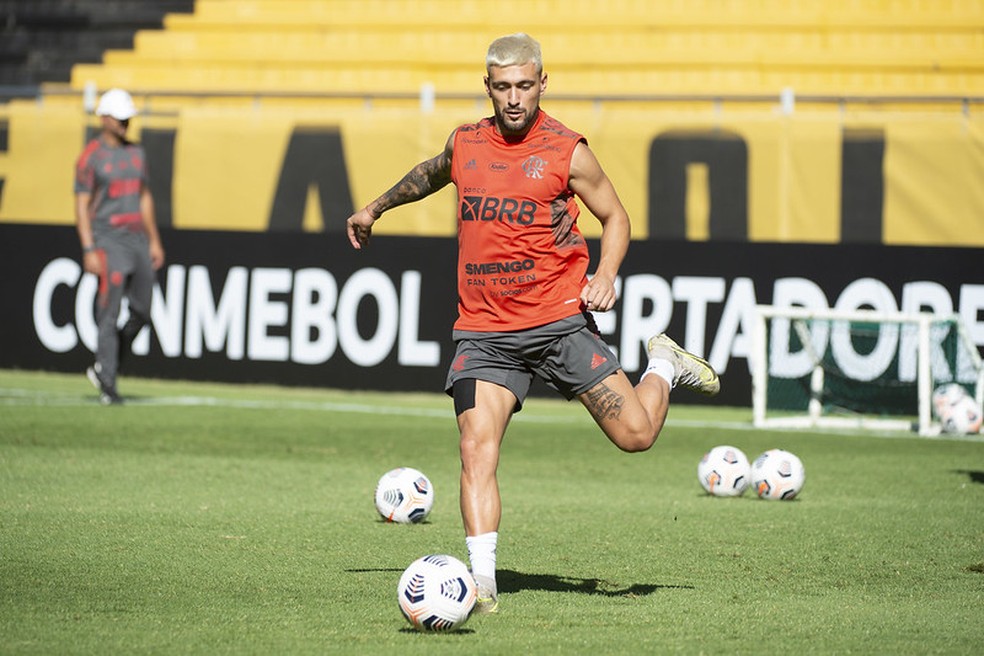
pixel 22 397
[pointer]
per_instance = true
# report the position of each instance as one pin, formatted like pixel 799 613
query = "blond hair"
pixel 514 50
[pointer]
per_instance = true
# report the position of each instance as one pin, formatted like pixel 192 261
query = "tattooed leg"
pixel 604 403
pixel 631 417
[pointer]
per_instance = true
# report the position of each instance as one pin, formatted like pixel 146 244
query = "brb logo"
pixel 490 208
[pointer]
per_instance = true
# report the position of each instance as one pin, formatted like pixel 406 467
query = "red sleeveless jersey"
pixel 522 260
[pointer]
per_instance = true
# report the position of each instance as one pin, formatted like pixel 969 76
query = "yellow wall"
pixel 227 164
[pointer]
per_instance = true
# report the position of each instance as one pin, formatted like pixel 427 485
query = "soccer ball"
pixel 945 396
pixel 404 495
pixel 724 471
pixel 963 417
pixel 956 409
pixel 437 593
pixel 778 474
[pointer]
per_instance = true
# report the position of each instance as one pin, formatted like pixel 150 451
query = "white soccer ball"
pixel 945 396
pixel 404 495
pixel 724 471
pixel 956 409
pixel 778 475
pixel 437 593
pixel 963 417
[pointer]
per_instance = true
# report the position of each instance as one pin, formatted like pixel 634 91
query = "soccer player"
pixel 524 298
pixel 114 213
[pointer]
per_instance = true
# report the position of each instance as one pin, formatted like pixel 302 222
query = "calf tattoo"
pixel 604 402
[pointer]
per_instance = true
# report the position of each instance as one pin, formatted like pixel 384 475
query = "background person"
pixel 114 212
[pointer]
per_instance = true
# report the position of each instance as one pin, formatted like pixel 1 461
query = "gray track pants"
pixel 128 273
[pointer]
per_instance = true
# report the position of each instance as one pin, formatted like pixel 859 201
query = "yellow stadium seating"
pixel 844 49
pixel 614 48
pixel 587 15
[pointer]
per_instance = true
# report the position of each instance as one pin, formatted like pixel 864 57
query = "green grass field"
pixel 210 519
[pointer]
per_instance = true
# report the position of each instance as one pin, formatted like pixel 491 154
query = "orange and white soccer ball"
pixel 404 496
pixel 778 475
pixel 724 471
pixel 437 593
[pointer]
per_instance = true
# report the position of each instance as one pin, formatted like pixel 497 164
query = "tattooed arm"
pixel 422 181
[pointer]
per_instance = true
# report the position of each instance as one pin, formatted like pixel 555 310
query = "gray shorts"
pixel 568 355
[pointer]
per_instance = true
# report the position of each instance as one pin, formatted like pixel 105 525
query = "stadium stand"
pixel 40 40
pixel 845 47
pixel 905 48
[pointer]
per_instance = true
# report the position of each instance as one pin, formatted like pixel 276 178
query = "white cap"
pixel 118 104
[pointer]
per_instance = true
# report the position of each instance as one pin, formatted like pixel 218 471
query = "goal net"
pixel 860 369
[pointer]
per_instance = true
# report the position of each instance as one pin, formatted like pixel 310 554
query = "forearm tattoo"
pixel 605 403
pixel 423 180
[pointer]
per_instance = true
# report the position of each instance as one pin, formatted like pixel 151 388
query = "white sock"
pixel 662 368
pixel 481 553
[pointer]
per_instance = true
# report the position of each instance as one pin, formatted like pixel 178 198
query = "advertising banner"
pixel 299 309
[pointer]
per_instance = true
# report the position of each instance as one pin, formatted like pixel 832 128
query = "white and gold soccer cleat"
pixel 488 599
pixel 689 370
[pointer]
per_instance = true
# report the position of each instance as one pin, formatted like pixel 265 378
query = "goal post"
pixel 857 369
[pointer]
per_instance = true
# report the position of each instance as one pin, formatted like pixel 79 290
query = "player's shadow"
pixel 976 476
pixel 508 580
